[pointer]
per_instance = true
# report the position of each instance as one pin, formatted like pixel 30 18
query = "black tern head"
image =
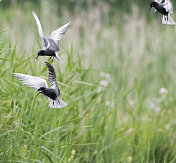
pixel 41 86
pixel 41 90
pixel 40 53
pixel 152 4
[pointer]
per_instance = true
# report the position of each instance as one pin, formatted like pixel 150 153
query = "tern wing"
pixel 52 45
pixel 31 81
pixel 59 33
pixel 52 74
pixel 52 77
pixel 168 6
pixel 158 1
pixel 40 29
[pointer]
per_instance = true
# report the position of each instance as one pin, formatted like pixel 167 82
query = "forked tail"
pixel 168 20
pixel 58 59
pixel 57 103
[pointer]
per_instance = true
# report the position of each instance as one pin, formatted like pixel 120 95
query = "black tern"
pixel 165 8
pixel 51 43
pixel 41 86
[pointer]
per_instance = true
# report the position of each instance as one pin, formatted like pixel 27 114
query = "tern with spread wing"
pixel 41 86
pixel 165 8
pixel 51 43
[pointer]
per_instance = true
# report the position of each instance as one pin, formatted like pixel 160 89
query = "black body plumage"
pixel 159 8
pixel 49 92
pixel 46 52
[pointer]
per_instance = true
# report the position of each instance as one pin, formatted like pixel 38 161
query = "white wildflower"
pixel 104 83
pixel 99 89
pixel 107 103
pixel 163 91
pixel 102 74
pixel 159 100
pixel 155 108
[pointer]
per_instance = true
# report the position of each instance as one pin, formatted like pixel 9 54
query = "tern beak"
pixel 37 58
pixel 38 92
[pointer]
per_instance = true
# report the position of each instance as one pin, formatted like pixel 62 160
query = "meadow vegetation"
pixel 118 78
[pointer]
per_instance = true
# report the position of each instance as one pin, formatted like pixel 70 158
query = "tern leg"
pixel 59 101
pixel 50 58
pixel 53 102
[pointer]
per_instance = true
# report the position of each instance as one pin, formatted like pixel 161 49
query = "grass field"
pixel 118 77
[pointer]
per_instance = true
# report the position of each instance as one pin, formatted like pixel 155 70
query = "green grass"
pixel 139 123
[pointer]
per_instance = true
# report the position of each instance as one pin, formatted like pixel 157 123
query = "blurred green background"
pixel 118 78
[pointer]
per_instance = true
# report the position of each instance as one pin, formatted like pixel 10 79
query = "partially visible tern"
pixel 165 9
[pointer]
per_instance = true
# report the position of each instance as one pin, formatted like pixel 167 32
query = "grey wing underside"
pixel 32 81
pixel 56 36
pixel 52 45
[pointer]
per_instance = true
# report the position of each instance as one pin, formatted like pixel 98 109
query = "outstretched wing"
pixel 31 81
pixel 52 78
pixel 59 33
pixel 168 6
pixel 52 75
pixel 40 28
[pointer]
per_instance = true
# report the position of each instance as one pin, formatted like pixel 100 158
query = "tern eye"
pixel 40 52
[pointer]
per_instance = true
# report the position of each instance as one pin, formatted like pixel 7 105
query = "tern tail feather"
pixel 57 103
pixel 168 20
pixel 58 59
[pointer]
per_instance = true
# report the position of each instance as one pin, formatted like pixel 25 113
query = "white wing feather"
pixel 31 81
pixel 57 103
pixel 58 34
pixel 168 6
pixel 158 1
pixel 40 28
